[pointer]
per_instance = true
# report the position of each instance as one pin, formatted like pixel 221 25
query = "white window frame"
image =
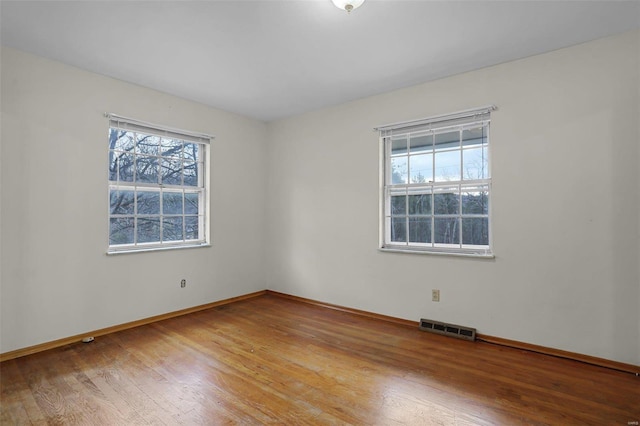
pixel 459 121
pixel 199 190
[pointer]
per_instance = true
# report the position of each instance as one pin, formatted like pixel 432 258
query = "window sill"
pixel 149 249
pixel 436 252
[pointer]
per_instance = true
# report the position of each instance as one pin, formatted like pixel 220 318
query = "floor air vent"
pixel 445 329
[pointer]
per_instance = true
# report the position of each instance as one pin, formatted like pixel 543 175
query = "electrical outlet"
pixel 435 295
pixel 183 283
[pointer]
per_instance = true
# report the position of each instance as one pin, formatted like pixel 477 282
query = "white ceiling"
pixel 273 59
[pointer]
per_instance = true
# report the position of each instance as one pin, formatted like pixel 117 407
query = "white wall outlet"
pixel 435 295
pixel 183 283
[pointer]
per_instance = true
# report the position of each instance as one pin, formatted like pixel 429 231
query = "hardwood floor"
pixel 271 360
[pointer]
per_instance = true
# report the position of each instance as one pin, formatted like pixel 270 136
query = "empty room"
pixel 322 212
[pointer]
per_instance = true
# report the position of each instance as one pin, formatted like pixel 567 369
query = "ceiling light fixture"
pixel 348 5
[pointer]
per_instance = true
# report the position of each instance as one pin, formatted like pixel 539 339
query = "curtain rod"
pixel 117 117
pixel 438 118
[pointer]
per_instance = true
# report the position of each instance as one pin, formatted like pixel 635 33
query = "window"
pixel 158 187
pixel 436 184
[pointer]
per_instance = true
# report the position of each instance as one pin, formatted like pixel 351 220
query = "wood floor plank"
pixel 274 360
pixel 17 404
pixel 135 384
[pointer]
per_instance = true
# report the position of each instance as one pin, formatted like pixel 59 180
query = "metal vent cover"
pixel 437 327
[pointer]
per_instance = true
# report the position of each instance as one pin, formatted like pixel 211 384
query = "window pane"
pixel 421 143
pixel 172 229
pixel 191 152
pixel 146 169
pixel 147 144
pixel 475 164
pixel 148 202
pixel 446 203
pixel 125 167
pixel 475 231
pixel 191 224
pixel 191 174
pixel 446 231
pixel 485 159
pixel 121 230
pixel 148 229
pixel 447 140
pixel 171 148
pixel 399 145
pixel 474 137
pixel 121 140
pixel 421 168
pixel 420 204
pixel 399 205
pixel 398 229
pixel 191 203
pixel 171 171
pixel 398 170
pixel 420 229
pixel 447 166
pixel 121 202
pixel 475 202
pixel 113 165
pixel 172 203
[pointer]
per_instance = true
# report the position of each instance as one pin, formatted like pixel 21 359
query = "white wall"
pixel 565 204
pixel 56 279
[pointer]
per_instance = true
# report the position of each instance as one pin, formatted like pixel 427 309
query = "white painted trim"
pixel 431 251
pixel 155 248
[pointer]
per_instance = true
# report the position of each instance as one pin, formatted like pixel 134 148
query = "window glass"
pixel 420 204
pixel 449 140
pixel 122 202
pixel 446 230
pixel 148 229
pixel 475 201
pixel 172 203
pixel 421 168
pixel 121 230
pixel 399 167
pixel 420 229
pixel 447 168
pixel 421 143
pixel 399 146
pixel 171 172
pixel 191 201
pixel 192 225
pixel 398 229
pixel 446 201
pixel 172 229
pixel 398 205
pixel 475 231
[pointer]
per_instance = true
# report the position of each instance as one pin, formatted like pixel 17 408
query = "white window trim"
pixel 160 130
pixel 459 119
